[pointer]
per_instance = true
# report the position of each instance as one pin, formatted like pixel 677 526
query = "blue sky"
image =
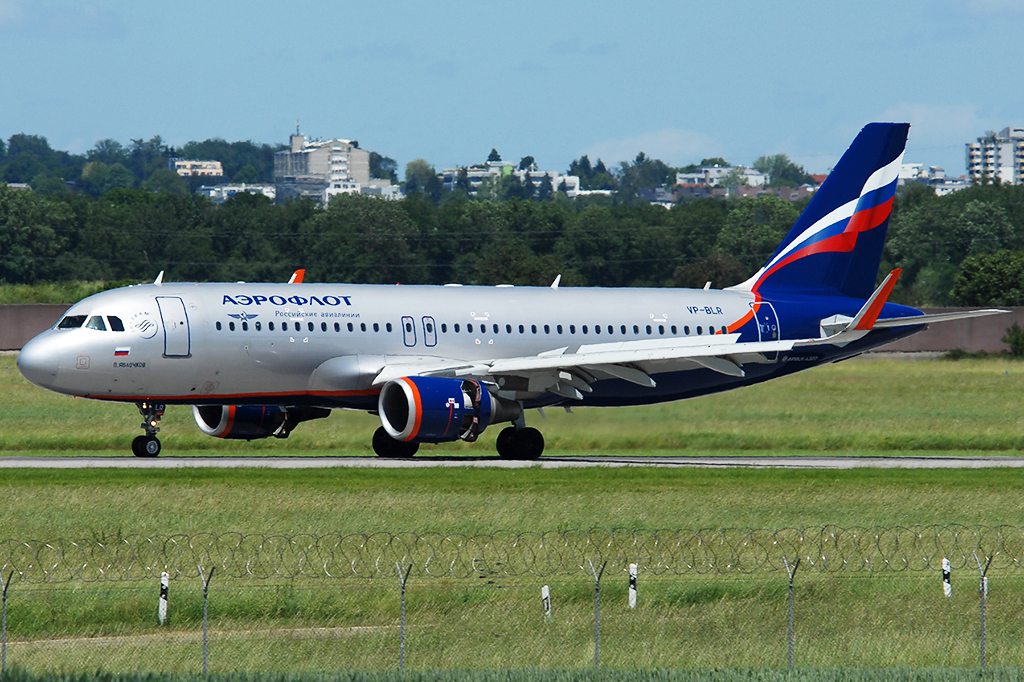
pixel 446 82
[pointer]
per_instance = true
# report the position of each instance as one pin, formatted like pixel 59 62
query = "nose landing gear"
pixel 148 445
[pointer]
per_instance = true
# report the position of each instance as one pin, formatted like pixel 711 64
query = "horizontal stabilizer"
pixel 937 317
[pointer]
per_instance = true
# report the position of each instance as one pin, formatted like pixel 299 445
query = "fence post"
pixel 402 579
pixel 206 601
pixel 4 584
pixel 791 573
pixel 984 595
pixel 597 611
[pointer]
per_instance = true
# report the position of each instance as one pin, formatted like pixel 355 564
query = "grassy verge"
pixel 858 407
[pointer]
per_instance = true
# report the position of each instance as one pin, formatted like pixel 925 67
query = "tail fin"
pixel 836 244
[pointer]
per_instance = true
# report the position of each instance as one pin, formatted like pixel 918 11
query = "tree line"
pixel 965 248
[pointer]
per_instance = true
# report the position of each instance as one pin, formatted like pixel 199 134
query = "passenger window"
pixel 725 330
pixel 661 329
pixel 584 329
pixel 469 328
pixel 430 328
pixel 71 322
pixel 636 329
pixel 611 329
pixel 533 328
pixel 675 330
pixel 115 324
pixel 508 329
pixel 686 330
pixel 623 329
pixel 648 330
pixel 309 326
pixel 323 326
pixel 572 329
pixel 444 328
pixel 388 326
pixel 376 327
pixel 96 322
pixel 245 326
pixel 231 326
pixel 456 327
pixel 284 326
pixel 259 327
pixel 350 327
pixel 559 329
pixel 219 326
pixel 337 327
pixel 699 330
pixel 362 326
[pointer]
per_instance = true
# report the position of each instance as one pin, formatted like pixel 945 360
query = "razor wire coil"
pixel 828 549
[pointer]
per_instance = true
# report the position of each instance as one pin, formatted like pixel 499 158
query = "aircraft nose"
pixel 39 360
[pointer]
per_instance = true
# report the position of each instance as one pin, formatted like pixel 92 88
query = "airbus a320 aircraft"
pixel 440 363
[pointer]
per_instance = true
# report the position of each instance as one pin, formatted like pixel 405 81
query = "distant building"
pixel 189 167
pixel 933 176
pixel 711 176
pixel 997 157
pixel 218 193
pixel 321 169
pixel 497 169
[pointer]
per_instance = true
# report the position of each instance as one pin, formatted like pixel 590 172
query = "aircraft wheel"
pixel 146 446
pixel 527 443
pixel 386 446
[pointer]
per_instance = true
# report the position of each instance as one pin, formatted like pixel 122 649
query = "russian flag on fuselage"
pixel 836 244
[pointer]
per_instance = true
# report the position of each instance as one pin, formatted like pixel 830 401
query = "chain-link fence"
pixel 703 599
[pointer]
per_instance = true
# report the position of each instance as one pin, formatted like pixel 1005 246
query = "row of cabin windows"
pixel 297 326
pixel 559 329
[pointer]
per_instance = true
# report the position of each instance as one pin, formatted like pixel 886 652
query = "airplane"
pixel 443 363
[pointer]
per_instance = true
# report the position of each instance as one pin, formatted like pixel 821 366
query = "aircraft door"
pixel 177 340
pixel 429 332
pixel 767 326
pixel 408 331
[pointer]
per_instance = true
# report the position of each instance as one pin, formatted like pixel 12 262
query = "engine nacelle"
pixel 252 422
pixel 436 409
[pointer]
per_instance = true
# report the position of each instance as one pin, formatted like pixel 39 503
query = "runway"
pixel 552 462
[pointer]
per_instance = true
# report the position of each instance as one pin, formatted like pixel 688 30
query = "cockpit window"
pixel 71 322
pixel 96 322
pixel 115 323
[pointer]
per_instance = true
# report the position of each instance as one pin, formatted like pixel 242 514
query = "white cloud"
pixel 673 146
pixel 59 22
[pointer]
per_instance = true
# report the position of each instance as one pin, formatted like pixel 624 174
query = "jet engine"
pixel 436 409
pixel 251 422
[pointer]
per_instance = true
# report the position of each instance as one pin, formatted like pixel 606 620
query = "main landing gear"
pixel 148 445
pixel 386 446
pixel 520 443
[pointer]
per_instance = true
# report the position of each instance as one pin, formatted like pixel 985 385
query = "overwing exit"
pixel 440 364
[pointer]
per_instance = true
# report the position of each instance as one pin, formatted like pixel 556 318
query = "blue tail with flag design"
pixel 835 247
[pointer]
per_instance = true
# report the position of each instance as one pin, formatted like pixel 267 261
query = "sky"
pixel 447 82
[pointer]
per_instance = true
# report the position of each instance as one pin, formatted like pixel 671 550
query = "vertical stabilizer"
pixel 835 247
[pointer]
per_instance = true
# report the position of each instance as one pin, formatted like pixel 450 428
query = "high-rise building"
pixel 999 157
pixel 319 168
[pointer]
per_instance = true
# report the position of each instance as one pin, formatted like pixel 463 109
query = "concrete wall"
pixel 19 323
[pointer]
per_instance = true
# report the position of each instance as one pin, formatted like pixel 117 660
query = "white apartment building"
pixel 997 156
pixel 323 168
pixel 188 167
pixel 496 169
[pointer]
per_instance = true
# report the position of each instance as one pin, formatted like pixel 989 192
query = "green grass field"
pixel 854 623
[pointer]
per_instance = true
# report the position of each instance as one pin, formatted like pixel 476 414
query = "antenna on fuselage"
pixel 159 281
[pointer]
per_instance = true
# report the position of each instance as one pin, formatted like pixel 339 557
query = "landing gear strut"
pixel 148 445
pixel 523 442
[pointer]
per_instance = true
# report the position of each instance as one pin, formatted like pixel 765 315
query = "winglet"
pixel 159 281
pixel 868 315
pixel 297 276
pixel 554 285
